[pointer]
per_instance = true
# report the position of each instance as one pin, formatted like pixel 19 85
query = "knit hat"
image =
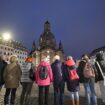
pixel 69 57
pixel 13 58
pixel 29 59
pixel 56 57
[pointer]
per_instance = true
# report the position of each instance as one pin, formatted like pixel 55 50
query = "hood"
pixel 70 62
pixel 43 63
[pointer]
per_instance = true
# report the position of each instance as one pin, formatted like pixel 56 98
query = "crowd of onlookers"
pixel 88 71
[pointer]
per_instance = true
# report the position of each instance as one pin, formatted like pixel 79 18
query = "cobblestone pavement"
pixel 33 100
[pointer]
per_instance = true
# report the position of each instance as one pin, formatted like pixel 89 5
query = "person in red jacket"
pixel 44 77
pixel 72 79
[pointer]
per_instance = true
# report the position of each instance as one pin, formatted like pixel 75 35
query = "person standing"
pixel 44 78
pixel 58 81
pixel 72 79
pixel 26 82
pixel 87 80
pixel 12 76
pixel 101 78
pixel 3 64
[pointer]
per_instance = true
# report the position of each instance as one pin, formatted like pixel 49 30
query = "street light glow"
pixel 6 36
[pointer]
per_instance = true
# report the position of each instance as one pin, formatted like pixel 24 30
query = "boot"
pixel 71 102
pixel 76 102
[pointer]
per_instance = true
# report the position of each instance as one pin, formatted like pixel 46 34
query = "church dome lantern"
pixel 47 39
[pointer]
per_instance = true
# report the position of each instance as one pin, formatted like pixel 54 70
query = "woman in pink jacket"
pixel 44 77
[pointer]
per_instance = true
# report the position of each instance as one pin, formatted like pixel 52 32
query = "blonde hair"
pixel 13 58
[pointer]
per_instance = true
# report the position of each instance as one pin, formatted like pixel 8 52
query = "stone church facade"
pixel 47 46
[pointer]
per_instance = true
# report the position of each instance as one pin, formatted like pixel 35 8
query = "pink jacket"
pixel 49 79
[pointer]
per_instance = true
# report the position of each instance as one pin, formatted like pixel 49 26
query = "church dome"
pixel 47 39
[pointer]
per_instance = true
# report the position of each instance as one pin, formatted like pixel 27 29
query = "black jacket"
pixel 72 85
pixel 99 76
pixel 3 64
pixel 57 72
pixel 80 69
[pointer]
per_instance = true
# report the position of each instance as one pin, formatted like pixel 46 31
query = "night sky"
pixel 79 24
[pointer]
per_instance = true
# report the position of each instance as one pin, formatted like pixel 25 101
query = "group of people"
pixel 87 71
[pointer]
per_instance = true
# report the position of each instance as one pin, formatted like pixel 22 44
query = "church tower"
pixel 47 46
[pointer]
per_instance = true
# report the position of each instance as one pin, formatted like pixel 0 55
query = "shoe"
pixel 76 102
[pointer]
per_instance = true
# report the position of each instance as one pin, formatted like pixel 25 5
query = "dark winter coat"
pixel 72 85
pixel 2 68
pixel 99 76
pixel 80 69
pixel 101 61
pixel 57 72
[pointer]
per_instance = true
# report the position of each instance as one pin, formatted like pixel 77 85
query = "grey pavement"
pixel 33 100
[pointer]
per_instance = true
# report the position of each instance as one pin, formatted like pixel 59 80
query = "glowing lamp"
pixel 6 36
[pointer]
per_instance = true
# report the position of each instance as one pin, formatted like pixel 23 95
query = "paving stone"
pixel 33 100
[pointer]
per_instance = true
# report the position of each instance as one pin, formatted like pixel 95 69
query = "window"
pixel 4 53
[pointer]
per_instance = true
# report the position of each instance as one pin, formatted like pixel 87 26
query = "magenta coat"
pixel 49 79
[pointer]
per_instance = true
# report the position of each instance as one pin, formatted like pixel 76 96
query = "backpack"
pixel 88 71
pixel 32 75
pixel 43 72
pixel 73 74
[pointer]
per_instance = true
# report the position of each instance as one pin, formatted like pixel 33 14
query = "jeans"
pixel 59 93
pixel 74 96
pixel 6 97
pixel 102 90
pixel 43 95
pixel 90 93
pixel 26 91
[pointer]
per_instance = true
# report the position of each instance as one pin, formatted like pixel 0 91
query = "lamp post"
pixel 6 37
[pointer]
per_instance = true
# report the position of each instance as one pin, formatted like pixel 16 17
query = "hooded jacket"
pixel 57 72
pixel 49 78
pixel 12 75
pixel 72 85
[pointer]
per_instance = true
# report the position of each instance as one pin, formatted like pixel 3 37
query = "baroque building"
pixel 47 46
pixel 11 47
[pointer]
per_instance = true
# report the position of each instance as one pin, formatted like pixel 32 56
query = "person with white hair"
pixel 12 76
pixel 2 68
pixel 58 81
pixel 44 78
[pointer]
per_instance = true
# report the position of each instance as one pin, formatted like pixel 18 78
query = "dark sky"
pixel 79 24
